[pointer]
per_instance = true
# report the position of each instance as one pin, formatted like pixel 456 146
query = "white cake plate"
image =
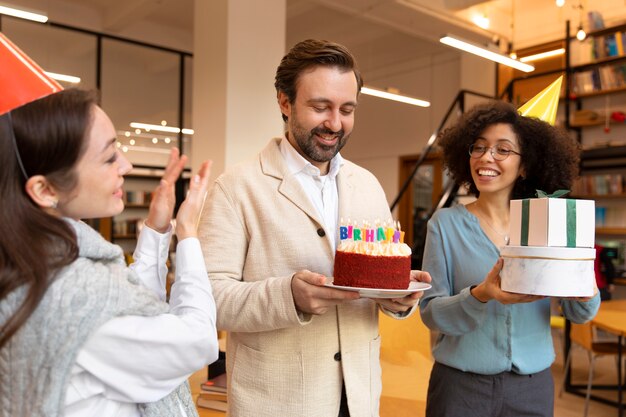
pixel 414 286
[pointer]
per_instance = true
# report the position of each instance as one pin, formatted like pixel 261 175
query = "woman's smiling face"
pixel 100 172
pixel 489 174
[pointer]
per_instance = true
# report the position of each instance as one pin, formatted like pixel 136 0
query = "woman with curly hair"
pixel 494 350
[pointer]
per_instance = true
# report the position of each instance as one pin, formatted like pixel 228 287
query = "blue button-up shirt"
pixel 485 338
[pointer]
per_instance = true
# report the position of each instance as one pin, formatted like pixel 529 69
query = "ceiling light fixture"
pixel 62 77
pixel 481 51
pixel 542 55
pixel 159 128
pixel 482 21
pixel 580 34
pixel 395 97
pixel 560 3
pixel 22 14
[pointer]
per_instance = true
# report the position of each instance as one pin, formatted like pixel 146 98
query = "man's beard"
pixel 308 143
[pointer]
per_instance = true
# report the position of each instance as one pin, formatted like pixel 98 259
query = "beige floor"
pixel 406 363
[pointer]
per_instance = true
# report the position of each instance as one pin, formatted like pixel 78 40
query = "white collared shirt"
pixel 321 189
pixel 137 359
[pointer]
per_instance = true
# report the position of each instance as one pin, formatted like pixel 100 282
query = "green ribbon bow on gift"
pixel 570 213
pixel 556 194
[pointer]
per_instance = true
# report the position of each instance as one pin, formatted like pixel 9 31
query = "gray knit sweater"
pixel 35 365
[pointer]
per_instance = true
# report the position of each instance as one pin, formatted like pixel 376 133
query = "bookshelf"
pixel 139 185
pixel 596 86
pixel 603 179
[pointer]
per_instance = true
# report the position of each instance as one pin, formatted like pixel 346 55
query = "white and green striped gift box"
pixel 557 222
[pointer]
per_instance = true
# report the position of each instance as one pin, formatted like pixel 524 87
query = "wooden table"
pixel 612 318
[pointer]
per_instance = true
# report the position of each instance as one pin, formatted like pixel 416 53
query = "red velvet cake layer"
pixel 357 270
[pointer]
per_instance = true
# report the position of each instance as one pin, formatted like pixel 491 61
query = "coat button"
pixel 321 232
pixel 337 356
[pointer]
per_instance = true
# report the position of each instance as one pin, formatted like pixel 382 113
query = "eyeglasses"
pixel 498 152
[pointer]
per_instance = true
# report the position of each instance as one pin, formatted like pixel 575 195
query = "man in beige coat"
pixel 295 347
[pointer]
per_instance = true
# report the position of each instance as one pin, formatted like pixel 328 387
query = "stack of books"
pixel 213 394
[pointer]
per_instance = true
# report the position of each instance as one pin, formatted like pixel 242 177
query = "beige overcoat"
pixel 258 228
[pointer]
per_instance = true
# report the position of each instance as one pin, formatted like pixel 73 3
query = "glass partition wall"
pixel 144 88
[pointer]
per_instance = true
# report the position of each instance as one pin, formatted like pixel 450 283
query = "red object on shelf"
pixel 618 116
pixel 21 79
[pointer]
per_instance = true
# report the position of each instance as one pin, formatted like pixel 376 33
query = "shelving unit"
pixel 585 112
pixel 600 72
pixel 138 187
pixel 603 179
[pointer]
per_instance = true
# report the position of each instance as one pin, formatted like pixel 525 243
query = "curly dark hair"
pixel 550 157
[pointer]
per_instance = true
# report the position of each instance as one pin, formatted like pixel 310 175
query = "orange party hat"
pixel 21 79
pixel 543 106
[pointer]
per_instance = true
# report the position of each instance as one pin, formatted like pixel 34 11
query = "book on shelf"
pixel 218 396
pixel 609 45
pixel 612 217
pixel 213 393
pixel 137 197
pixel 127 227
pixel 605 77
pixel 600 184
pixel 595 20
pixel 205 402
pixel 215 384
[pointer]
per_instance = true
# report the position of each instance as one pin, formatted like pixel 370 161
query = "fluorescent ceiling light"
pixel 160 128
pixel 542 55
pixel 23 14
pixel 62 77
pixel 395 97
pixel 482 21
pixel 485 53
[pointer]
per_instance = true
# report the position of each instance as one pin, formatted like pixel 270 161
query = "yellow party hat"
pixel 543 106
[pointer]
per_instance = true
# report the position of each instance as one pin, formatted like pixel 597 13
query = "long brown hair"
pixel 50 137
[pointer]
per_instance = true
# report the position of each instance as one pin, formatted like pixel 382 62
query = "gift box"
pixel 559 272
pixel 556 222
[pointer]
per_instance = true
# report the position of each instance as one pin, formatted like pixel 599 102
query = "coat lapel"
pixel 273 164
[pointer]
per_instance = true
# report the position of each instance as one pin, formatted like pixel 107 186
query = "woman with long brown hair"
pixel 82 334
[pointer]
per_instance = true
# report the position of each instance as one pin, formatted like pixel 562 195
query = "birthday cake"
pixel 372 257
pixel 551 249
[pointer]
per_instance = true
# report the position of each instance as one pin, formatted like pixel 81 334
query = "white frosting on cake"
pixel 374 248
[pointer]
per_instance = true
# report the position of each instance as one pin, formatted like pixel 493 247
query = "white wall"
pixel 386 130
pixel 239 43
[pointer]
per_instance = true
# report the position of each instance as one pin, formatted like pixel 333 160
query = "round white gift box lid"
pixel 550 271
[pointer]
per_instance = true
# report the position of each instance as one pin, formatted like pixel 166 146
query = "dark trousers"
pixel 343 408
pixel 454 393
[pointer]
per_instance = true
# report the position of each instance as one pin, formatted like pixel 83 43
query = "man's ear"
pixel 42 192
pixel 283 102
